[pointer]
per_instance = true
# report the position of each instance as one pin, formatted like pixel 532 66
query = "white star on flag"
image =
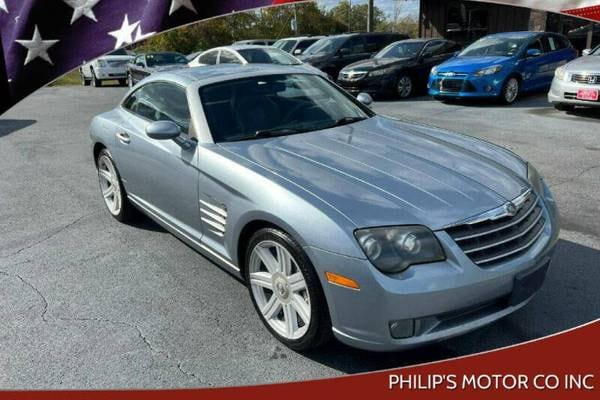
pixel 125 34
pixel 82 7
pixel 141 36
pixel 37 47
pixel 177 4
pixel 3 5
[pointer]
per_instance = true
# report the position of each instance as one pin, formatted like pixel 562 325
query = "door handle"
pixel 123 137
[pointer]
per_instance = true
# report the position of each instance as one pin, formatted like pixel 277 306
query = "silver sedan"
pixel 382 233
pixel 577 83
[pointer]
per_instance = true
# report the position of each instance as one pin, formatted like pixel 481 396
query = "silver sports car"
pixel 385 234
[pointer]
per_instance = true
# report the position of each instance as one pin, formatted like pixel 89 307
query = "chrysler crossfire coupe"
pixel 383 233
pixel 502 66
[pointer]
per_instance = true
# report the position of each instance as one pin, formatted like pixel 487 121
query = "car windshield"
pixel 400 50
pixel 119 52
pixel 495 46
pixel 268 56
pixel 285 45
pixel 276 105
pixel 325 45
pixel 165 58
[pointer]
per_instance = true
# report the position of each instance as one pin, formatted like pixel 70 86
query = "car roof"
pixel 224 72
pixel 243 47
pixel 517 35
pixel 161 52
pixel 303 38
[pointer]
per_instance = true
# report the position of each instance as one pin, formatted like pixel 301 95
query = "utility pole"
pixel 370 16
pixel 349 15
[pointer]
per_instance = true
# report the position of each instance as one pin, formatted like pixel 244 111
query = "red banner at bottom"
pixel 561 366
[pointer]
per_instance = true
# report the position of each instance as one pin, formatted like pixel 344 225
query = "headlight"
pixel 489 71
pixel 101 63
pixel 394 249
pixel 380 72
pixel 434 70
pixel 561 73
pixel 535 179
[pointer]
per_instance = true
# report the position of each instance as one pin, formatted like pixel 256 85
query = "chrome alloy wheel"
pixel 109 184
pixel 404 86
pixel 279 289
pixel 511 91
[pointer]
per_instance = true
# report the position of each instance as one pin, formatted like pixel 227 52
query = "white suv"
pixel 112 66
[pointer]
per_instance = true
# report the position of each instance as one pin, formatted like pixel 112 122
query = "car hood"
pixel 585 64
pixel 470 64
pixel 382 172
pixel 376 63
pixel 167 67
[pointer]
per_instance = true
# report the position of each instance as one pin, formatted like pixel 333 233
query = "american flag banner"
pixel 43 39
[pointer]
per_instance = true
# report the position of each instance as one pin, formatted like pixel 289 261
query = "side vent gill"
pixel 214 216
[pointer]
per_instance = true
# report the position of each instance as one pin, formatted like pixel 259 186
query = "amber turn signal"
pixel 341 280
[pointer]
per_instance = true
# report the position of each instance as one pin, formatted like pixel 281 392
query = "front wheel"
pixel 84 81
pixel 111 188
pixel 404 86
pixel 510 90
pixel 286 291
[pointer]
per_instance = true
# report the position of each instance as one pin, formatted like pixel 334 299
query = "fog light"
pixel 402 329
pixel 488 88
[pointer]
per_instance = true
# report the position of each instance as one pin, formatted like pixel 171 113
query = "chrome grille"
pixel 588 79
pixel 117 63
pixel 492 241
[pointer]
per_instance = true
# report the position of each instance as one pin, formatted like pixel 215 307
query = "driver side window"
pixel 536 45
pixel 160 101
pixel 209 58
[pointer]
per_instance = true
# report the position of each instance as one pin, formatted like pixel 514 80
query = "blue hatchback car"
pixel 502 66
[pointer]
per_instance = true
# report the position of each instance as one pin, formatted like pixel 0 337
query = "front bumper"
pixel 443 299
pixel 378 85
pixel 565 92
pixel 466 86
pixel 108 73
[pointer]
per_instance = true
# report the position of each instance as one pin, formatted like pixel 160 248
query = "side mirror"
pixel 365 99
pixel 586 52
pixel 163 130
pixel 532 53
pixel 426 55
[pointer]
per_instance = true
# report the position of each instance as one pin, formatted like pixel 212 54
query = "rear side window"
pixel 209 58
pixel 228 57
pixel 160 101
pixel 304 44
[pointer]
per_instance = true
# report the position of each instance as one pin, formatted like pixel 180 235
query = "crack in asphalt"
pixel 49 236
pixel 140 334
pixel 579 175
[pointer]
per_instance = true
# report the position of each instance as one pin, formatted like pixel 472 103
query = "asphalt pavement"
pixel 86 302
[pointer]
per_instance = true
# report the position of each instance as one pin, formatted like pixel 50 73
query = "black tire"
pixel 564 107
pixel 84 81
pixel 407 90
pixel 97 82
pixel 122 82
pixel 507 95
pixel 319 330
pixel 127 212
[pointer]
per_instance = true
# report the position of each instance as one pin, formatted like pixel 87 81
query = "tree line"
pixel 274 23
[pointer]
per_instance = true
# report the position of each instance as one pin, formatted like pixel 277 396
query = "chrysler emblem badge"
pixel 511 209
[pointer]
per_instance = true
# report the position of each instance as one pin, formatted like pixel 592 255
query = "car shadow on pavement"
pixel 527 100
pixel 591 113
pixel 568 299
pixel 8 126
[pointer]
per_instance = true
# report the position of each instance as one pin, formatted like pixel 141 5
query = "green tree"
pixel 355 16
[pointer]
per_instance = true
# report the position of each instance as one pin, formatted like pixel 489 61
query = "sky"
pixel 408 7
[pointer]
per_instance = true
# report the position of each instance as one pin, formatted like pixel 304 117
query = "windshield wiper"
pixel 347 121
pixel 266 133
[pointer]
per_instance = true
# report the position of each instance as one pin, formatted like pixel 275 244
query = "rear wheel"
pixel 286 291
pixel 510 90
pixel 111 188
pixel 404 86
pixel 84 81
